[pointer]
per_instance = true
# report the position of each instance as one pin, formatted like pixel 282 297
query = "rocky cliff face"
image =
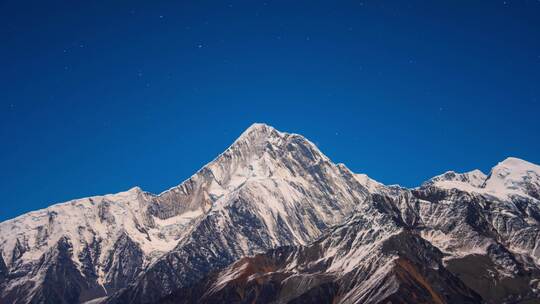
pixel 272 219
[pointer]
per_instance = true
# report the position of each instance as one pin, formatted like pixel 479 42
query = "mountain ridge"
pixel 259 125
pixel 267 189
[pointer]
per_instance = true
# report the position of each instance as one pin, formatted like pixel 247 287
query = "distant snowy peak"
pixel 475 178
pixel 511 177
pixel 515 175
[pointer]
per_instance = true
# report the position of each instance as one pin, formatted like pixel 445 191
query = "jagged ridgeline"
pixel 273 220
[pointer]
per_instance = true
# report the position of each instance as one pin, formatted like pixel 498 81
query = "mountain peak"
pixel 474 178
pixel 259 126
pixel 513 168
pixel 262 147
pixel 258 131
pixel 517 163
pixel 516 175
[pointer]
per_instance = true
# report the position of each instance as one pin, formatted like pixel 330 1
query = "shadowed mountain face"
pixel 400 269
pixel 272 219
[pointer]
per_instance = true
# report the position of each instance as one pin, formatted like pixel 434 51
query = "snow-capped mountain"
pixel 270 189
pixel 101 243
pixel 272 219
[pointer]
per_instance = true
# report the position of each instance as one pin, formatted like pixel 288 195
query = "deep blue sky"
pixel 99 96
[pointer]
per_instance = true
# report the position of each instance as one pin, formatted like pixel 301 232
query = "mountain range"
pixel 273 220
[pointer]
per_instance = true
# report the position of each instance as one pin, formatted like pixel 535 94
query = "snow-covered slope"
pixel 83 220
pixel 93 231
